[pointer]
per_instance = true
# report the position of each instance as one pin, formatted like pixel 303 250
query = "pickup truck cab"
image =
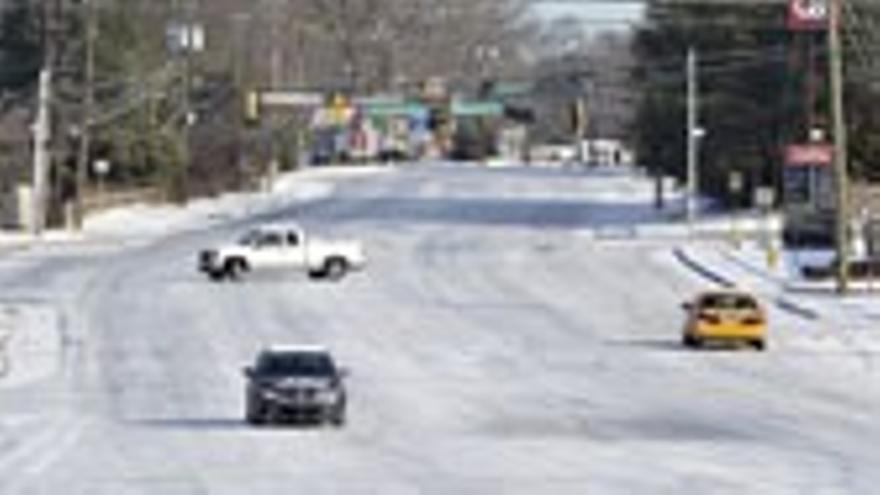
pixel 282 247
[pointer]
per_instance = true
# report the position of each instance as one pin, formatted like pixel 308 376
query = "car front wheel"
pixel 690 341
pixel 335 269
pixel 337 419
pixel 255 412
pixel 234 268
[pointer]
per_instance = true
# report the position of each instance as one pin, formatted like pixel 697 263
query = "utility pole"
pixel 580 128
pixel 82 162
pixel 43 125
pixel 41 154
pixel 841 174
pixel 276 80
pixel 186 151
pixel 693 135
pixel 240 22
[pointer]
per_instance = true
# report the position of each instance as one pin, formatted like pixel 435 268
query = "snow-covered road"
pixel 494 348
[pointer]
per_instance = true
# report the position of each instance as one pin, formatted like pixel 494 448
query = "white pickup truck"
pixel 282 247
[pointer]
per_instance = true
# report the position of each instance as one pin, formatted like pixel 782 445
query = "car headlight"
pixel 270 393
pixel 328 396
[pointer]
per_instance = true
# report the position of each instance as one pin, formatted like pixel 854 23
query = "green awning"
pixel 477 109
pixel 411 110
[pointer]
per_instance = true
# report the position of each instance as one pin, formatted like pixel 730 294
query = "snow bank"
pixel 12 240
pixel 149 220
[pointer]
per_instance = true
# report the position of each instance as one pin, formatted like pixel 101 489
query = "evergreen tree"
pixel 748 99
pixel 20 49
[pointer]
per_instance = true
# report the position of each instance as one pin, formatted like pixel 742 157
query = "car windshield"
pixel 296 363
pixel 728 302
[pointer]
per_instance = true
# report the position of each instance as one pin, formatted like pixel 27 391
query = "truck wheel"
pixel 217 275
pixel 759 344
pixel 234 269
pixel 335 269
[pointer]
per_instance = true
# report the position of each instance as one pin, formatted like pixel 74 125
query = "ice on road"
pixel 493 349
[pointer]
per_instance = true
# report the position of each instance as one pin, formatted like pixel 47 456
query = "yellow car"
pixel 725 316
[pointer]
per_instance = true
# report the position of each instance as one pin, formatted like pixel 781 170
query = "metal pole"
pixel 276 77
pixel 186 151
pixel 692 137
pixel 41 155
pixel 580 117
pixel 42 125
pixel 82 162
pixel 841 175
pixel 239 29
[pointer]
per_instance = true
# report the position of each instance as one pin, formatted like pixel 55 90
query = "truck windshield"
pixel 252 238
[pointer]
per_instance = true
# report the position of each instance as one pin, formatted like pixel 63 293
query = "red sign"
pixel 807 15
pixel 799 155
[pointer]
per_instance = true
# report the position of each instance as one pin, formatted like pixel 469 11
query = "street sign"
pixel 764 197
pixel 434 89
pixel 291 99
pixel 180 37
pixel 735 181
pixel 807 15
pixel 101 167
pixel 809 154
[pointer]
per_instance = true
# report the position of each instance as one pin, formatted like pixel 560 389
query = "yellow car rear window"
pixel 728 302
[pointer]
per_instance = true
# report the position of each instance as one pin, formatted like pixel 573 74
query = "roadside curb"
pixel 701 269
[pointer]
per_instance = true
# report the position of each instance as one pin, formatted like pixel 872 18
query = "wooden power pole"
pixel 841 173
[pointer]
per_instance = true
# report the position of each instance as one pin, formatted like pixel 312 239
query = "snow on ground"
pixel 157 220
pixel 148 221
pixel 32 331
pixel 30 342
pixel 492 349
pixel 14 240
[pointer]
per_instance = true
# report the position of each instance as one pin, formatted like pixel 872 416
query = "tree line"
pixel 357 46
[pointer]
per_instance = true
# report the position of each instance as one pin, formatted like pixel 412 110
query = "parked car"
pixel 295 382
pixel 725 316
pixel 859 269
pixel 557 153
pixel 282 247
